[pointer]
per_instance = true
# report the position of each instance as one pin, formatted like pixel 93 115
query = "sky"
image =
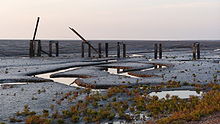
pixel 111 19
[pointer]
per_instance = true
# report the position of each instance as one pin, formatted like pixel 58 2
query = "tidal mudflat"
pixel 110 90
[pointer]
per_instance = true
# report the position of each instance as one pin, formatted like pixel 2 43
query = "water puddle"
pixel 121 72
pixel 63 80
pixel 136 55
pixel 180 93
pixel 148 69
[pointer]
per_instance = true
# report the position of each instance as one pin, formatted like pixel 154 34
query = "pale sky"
pixel 111 19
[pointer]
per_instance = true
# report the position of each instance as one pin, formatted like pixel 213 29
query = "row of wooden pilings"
pixel 119 45
pixel 36 48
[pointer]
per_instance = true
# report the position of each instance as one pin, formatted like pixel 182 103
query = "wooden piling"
pixel 38 48
pixel 198 50
pixel 118 49
pixel 155 51
pixel 50 49
pixel 82 50
pixel 57 49
pixel 160 51
pixel 31 50
pixel 106 49
pixel 32 43
pixel 194 51
pixel 100 50
pixel 89 51
pixel 124 50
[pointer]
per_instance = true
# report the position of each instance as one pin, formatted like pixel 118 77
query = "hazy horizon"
pixel 111 20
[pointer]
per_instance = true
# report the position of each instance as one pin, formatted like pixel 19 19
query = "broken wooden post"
pixel 194 51
pixel 89 50
pixel 82 50
pixel 50 48
pixel 198 50
pixel 57 49
pixel 100 50
pixel 124 50
pixel 155 51
pixel 106 49
pixel 160 51
pixel 32 43
pixel 38 48
pixel 118 49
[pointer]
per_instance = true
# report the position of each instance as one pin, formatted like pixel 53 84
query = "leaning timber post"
pixel 57 49
pixel 82 50
pixel 89 51
pixel 198 50
pixel 100 50
pixel 106 49
pixel 118 49
pixel 50 49
pixel 194 51
pixel 160 51
pixel 155 51
pixel 124 50
pixel 38 48
pixel 32 43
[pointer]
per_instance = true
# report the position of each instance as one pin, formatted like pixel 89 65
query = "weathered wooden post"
pixel 118 49
pixel 155 50
pixel 32 46
pixel 82 50
pixel 50 48
pixel 160 51
pixel 31 50
pixel 57 48
pixel 124 50
pixel 198 50
pixel 38 48
pixel 106 49
pixel 100 50
pixel 89 51
pixel 194 51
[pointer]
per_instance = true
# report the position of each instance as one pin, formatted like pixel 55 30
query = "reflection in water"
pixel 181 93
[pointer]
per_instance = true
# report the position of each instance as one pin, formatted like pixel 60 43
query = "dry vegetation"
pixel 122 103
